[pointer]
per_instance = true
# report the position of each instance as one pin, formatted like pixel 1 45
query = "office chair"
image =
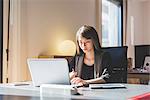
pixel 119 63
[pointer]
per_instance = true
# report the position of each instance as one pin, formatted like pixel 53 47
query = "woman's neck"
pixel 89 58
pixel 90 55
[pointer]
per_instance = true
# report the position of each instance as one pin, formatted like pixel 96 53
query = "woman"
pixel 91 64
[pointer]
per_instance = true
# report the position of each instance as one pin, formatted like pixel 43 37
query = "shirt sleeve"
pixel 71 64
pixel 106 64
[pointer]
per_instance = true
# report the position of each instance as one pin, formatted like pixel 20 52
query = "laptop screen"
pixel 53 71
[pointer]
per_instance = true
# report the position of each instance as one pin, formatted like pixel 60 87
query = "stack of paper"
pixel 56 89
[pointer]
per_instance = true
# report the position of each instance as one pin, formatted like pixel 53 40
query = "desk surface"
pixel 29 92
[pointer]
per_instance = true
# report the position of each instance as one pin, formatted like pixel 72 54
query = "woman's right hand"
pixel 72 74
pixel 78 81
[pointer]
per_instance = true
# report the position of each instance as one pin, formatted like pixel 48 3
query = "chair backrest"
pixel 119 63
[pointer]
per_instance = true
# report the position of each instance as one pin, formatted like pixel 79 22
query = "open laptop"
pixel 52 71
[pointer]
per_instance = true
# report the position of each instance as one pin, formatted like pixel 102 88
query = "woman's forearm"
pixel 96 80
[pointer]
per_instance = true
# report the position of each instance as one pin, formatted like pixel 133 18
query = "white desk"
pixel 29 92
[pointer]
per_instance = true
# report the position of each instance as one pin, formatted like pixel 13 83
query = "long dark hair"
pixel 88 32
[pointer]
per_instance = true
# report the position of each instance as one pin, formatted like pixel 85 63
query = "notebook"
pixel 106 86
pixel 49 71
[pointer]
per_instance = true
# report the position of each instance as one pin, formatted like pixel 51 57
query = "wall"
pixel 147 21
pixel 48 19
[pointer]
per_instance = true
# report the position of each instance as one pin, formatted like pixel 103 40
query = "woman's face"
pixel 85 44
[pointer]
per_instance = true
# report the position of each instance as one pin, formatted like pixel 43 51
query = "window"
pixel 112 23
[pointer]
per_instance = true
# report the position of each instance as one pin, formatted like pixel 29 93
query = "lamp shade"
pixel 67 48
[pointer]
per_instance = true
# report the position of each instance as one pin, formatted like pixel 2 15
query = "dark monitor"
pixel 140 52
